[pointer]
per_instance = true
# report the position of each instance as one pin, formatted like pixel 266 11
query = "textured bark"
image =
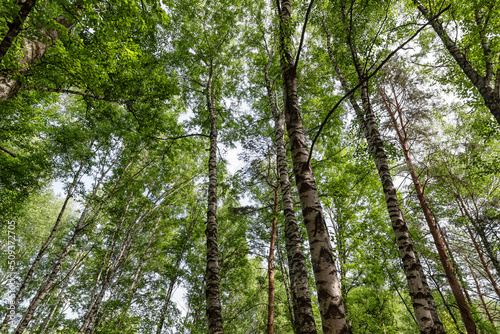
pixel 330 300
pixel 15 26
pixel 270 265
pixel 286 282
pixel 33 51
pixel 422 300
pixel 482 83
pixel 212 292
pixel 43 248
pixel 396 114
pixel 299 285
pixel 426 313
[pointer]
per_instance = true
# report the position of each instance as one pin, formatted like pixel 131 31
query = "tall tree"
pixel 325 271
pixel 404 99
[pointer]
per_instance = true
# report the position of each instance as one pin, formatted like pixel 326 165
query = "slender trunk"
pixel 479 228
pixel 46 286
pixel 445 303
pixel 465 312
pixel 270 265
pixel 214 308
pixel 173 281
pixel 166 302
pixel 299 284
pixel 112 267
pixel 81 226
pixel 285 282
pixel 15 26
pixel 485 307
pixel 60 295
pixel 63 310
pixel 43 248
pixel 331 304
pixel 423 303
pixel 483 262
pixel 455 266
pixel 482 84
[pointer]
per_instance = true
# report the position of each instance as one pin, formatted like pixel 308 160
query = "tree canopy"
pixel 366 197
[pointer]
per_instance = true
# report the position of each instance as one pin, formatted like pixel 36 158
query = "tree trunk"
pixel 482 84
pixel 43 248
pixel 286 282
pixel 299 285
pixel 33 51
pixel 479 228
pixel 483 262
pixel 486 310
pixel 173 281
pixel 330 300
pixel 46 286
pixel 270 265
pixel 82 224
pixel 455 266
pixel 400 129
pixel 60 295
pixel 15 26
pixel 214 308
pixel 426 313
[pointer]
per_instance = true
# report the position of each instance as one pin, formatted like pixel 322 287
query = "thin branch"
pixel 8 152
pixel 303 33
pixel 366 78
pixel 69 91
pixel 182 136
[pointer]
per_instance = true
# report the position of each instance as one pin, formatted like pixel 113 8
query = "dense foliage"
pixel 117 118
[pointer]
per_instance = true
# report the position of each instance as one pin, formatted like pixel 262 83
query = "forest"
pixel 216 166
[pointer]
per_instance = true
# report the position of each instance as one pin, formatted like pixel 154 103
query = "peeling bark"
pixel 299 285
pixel 400 128
pixel 212 291
pixel 33 51
pixel 330 300
pixel 426 314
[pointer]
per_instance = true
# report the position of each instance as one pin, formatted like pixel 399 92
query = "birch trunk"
pixel 299 285
pixel 33 51
pixel 400 128
pixel 84 222
pixel 270 265
pixel 426 314
pixel 60 295
pixel 15 26
pixel 43 248
pixel 483 262
pixel 330 300
pixel 214 308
